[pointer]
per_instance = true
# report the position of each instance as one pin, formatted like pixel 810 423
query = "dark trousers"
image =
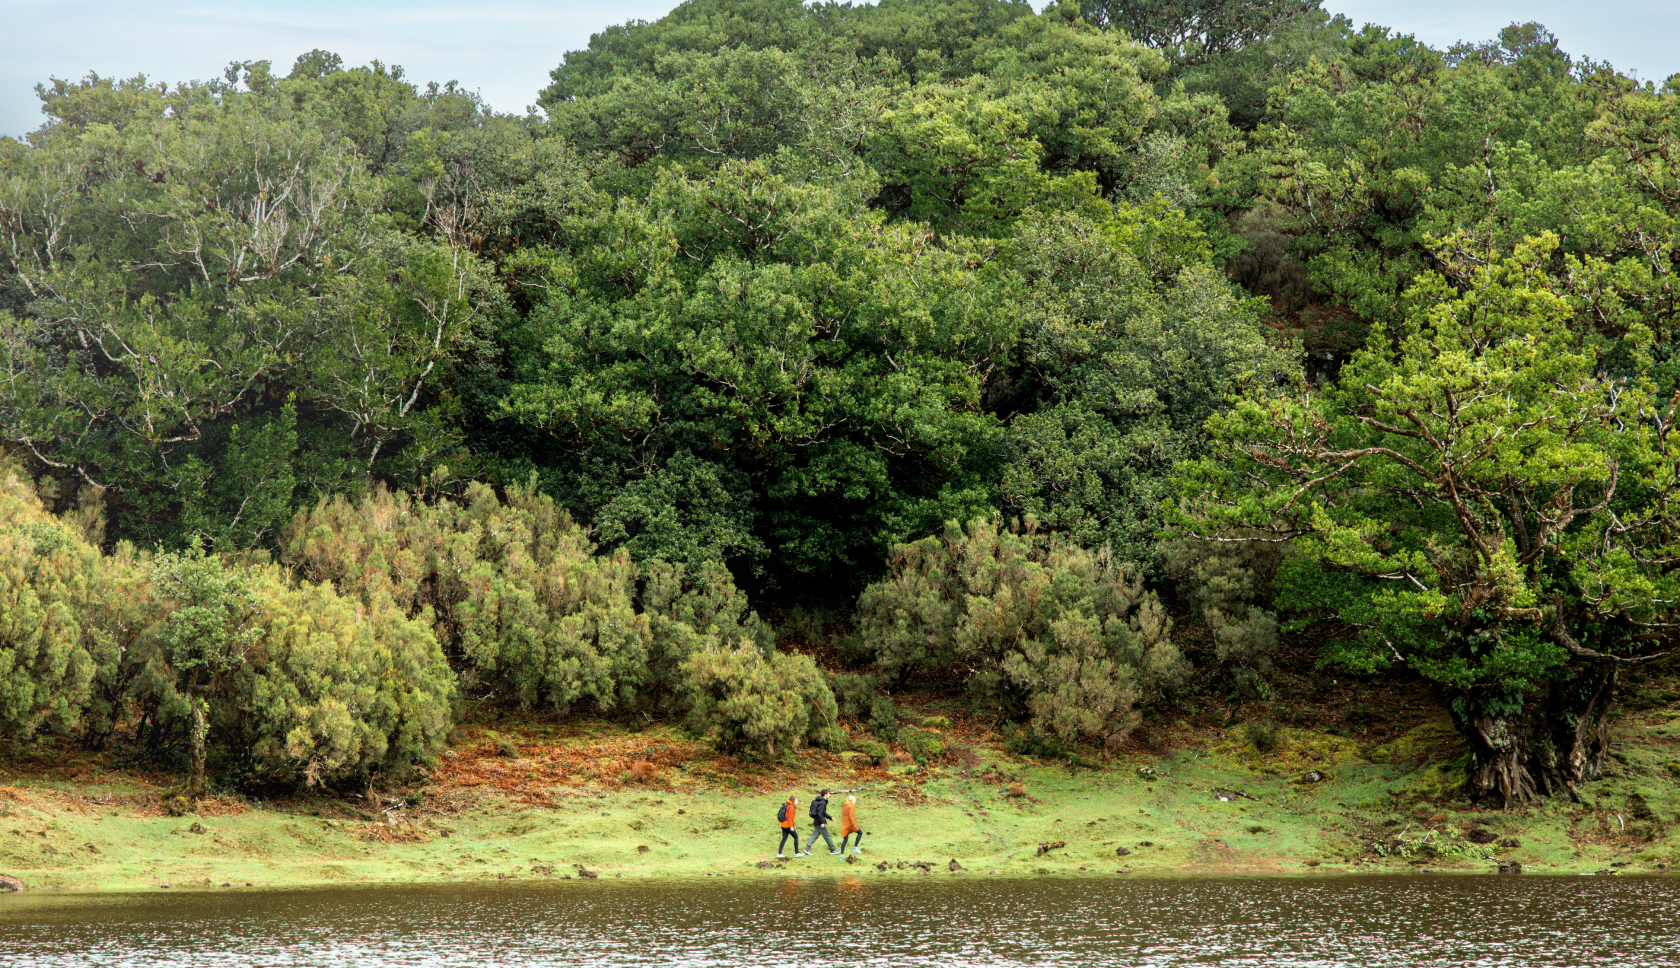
pixel 858 835
pixel 786 833
pixel 820 830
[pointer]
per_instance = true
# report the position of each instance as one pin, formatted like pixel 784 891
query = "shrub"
pixel 924 747
pixel 336 694
pixel 883 719
pixel 831 738
pixel 1228 582
pixel 754 704
pixel 687 611
pixel 877 752
pixel 50 577
pixel 515 589
pixel 854 694
pixel 287 684
pixel 1043 631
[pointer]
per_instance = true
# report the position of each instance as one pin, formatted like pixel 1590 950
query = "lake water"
pixel 1370 922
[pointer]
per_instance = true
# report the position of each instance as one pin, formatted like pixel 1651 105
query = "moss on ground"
pixel 1201 801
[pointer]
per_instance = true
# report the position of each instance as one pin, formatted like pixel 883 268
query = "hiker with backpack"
pixel 785 816
pixel 819 824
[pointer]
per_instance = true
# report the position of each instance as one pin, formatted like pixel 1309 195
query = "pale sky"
pixel 505 48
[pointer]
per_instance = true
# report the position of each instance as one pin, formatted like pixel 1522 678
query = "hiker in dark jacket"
pixel 790 826
pixel 819 823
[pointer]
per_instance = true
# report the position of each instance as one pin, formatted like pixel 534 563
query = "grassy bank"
pixel 539 803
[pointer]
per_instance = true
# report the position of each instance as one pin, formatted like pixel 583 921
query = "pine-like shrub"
pixel 1040 629
pixel 339 694
pixel 512 588
pixel 516 593
pixel 756 704
pixel 48 575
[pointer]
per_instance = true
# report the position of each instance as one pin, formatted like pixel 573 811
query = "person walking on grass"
pixel 848 826
pixel 819 824
pixel 787 816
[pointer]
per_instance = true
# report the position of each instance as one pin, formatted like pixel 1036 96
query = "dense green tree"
pixel 210 631
pixel 1193 32
pixel 1132 343
pixel 751 326
pixel 1376 155
pixel 204 268
pixel 1484 503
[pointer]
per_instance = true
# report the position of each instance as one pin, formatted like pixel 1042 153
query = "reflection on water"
pixel 970 920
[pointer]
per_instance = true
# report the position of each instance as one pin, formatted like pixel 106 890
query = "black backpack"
pixel 781 813
pixel 819 806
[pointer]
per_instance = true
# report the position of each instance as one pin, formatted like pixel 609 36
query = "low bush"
pixel 854 694
pixel 1042 631
pixel 753 704
pixel 515 591
pixel 923 747
pixel 883 719
pixel 877 752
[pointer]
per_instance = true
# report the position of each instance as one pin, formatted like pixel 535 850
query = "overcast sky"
pixel 505 48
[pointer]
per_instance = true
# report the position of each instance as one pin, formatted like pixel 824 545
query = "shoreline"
pixel 1208 806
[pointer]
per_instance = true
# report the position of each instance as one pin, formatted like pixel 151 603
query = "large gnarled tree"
pixel 1486 502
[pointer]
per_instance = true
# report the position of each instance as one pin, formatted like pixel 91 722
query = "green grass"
pixel 103 829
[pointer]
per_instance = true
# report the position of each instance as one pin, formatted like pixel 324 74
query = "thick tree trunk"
pixel 1550 746
pixel 1501 750
pixel 1578 714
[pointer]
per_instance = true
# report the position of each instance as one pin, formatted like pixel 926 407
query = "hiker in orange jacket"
pixel 848 826
pixel 790 810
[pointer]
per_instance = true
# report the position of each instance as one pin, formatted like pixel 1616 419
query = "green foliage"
pixel 854 695
pixel 751 704
pixel 342 693
pixel 1230 583
pixel 1479 498
pixel 515 590
pixel 776 290
pixel 1196 31
pixel 924 747
pixel 689 511
pixel 512 588
pixel 877 752
pixel 1133 346
pixel 774 324
pixel 883 719
pixel 52 587
pixel 231 261
pixel 1041 630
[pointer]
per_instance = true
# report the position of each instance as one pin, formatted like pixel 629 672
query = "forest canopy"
pixel 1006 338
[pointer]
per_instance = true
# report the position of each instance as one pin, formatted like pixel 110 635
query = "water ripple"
pixel 1376 922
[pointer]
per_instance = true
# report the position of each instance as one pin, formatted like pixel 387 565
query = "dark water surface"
pixel 1370 922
